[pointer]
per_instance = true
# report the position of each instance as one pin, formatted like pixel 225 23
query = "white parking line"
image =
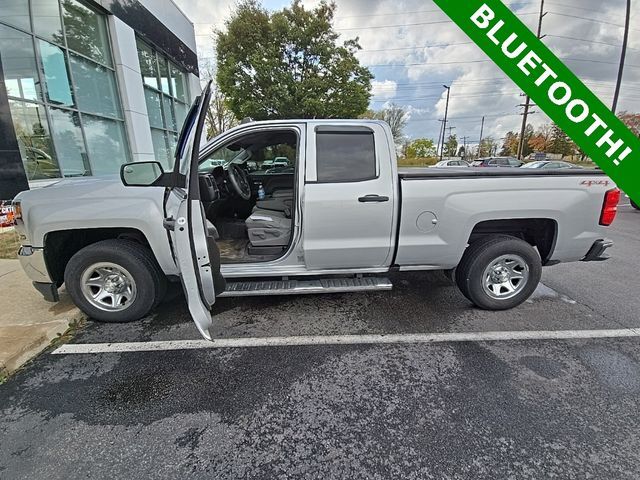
pixel 85 348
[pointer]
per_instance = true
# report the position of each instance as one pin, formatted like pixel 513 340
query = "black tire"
pixel 480 255
pixel 137 260
pixel 634 205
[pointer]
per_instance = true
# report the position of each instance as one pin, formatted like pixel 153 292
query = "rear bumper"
pixel 33 264
pixel 597 251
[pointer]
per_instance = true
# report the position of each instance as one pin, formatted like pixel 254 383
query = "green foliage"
pixel 560 142
pixel 510 146
pixel 451 146
pixel 488 147
pixel 421 148
pixel 289 64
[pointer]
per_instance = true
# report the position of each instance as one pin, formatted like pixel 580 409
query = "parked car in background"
pixel 551 165
pixel 280 162
pixel 509 162
pixel 451 164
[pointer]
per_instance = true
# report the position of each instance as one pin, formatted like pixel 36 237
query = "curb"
pixel 35 346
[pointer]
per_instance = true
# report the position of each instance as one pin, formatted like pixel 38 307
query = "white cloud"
pixel 384 90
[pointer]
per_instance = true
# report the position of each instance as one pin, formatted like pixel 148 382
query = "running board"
pixel 301 287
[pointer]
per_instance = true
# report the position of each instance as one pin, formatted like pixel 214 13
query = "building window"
pixel 166 96
pixel 62 89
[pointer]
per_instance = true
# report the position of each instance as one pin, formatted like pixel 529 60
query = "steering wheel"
pixel 239 181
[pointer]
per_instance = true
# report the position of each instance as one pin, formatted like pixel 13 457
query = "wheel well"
pixel 61 245
pixel 539 232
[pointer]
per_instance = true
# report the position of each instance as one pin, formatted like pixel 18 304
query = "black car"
pixel 509 162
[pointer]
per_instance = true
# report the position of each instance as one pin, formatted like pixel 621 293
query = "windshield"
pixel 268 152
pixel 223 157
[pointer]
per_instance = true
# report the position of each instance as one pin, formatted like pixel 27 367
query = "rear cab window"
pixel 345 154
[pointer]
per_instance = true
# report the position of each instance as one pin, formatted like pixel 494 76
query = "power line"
pixel 590 20
pixel 366 50
pixel 479 95
pixel 391 14
pixel 485 61
pixel 590 41
pixel 408 24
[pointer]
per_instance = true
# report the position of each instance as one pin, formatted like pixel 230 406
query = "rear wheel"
pixel 499 272
pixel 115 280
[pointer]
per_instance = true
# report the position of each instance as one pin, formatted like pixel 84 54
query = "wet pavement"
pixel 503 409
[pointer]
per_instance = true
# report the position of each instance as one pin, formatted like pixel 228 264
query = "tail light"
pixel 610 207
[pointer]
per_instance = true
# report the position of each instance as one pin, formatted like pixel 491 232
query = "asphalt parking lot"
pixel 508 408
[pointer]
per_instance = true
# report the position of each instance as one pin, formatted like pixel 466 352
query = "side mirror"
pixel 141 174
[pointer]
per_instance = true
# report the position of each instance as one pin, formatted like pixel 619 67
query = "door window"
pixel 345 155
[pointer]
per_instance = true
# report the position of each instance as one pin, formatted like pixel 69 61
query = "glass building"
pixel 86 86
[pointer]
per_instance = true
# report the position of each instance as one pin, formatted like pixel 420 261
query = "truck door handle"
pixel 373 198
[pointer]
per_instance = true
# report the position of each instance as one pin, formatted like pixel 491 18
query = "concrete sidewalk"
pixel 28 323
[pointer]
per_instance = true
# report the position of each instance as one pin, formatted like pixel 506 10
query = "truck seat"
pixel 268 228
pixel 283 193
pixel 281 205
pixel 280 201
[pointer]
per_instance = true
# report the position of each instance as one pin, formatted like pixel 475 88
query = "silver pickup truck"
pixel 338 216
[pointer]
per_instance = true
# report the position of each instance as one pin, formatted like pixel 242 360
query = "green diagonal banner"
pixel 552 86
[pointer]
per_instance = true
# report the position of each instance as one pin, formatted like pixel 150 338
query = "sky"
pixel 413 50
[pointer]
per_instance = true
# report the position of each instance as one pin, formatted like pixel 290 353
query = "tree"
pixel 395 115
pixel 510 145
pixel 421 148
pixel 462 152
pixel 451 146
pixel 289 64
pixel 219 117
pixel 631 120
pixel 542 140
pixel 488 147
pixel 560 142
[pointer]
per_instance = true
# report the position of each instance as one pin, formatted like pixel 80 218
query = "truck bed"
pixel 424 173
pixel 441 207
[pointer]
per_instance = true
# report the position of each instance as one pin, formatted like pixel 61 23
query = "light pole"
pixel 625 40
pixel 446 112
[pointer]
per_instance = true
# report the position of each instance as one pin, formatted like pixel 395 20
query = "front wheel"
pixel 115 280
pixel 499 272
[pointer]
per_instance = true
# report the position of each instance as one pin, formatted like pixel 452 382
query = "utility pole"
pixel 447 138
pixel 481 132
pixel 446 113
pixel 464 146
pixel 623 55
pixel 439 136
pixel 527 102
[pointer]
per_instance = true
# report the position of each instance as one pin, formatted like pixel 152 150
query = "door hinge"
pixel 169 224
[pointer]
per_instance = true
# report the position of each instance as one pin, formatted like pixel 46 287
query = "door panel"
pixel 349 224
pixel 195 265
pixel 185 218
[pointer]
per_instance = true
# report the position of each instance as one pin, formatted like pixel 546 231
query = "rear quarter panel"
pixel 459 204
